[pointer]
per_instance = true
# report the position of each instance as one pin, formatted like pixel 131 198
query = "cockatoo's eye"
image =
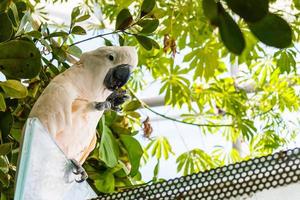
pixel 110 57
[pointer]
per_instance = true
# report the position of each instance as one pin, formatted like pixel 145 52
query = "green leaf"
pixel 23 60
pixel 273 31
pixel 6 29
pixel 249 10
pixel 107 42
pixel 14 89
pixel 121 40
pixel 2 103
pixel 78 30
pixel 297 4
pixel 35 34
pixel 57 34
pixel 147 7
pixel 82 18
pixel 146 42
pixel 132 105
pixel 6 122
pixel 231 34
pixel 4 179
pixel 106 182
pixel 134 151
pixel 109 150
pixel 75 51
pixel 5 149
pixel 156 170
pixel 124 19
pixel 148 25
pixel 210 10
pixel 4 4
pixel 74 14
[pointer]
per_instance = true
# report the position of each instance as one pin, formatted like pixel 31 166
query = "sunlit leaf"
pixel 2 103
pixel 14 89
pixel 106 182
pixel 108 150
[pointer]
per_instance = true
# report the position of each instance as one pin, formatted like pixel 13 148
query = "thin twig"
pixel 173 119
pixel 94 37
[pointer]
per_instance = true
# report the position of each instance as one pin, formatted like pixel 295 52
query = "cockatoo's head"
pixel 111 65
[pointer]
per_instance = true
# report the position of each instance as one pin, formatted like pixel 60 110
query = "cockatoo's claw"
pixel 79 170
pixel 117 98
pixel 103 105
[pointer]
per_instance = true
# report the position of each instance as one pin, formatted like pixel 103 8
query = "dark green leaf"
pixel 250 10
pixel 148 25
pixel 14 89
pixel 74 14
pixel 124 19
pixel 210 10
pixel 23 60
pixel 231 34
pixel 134 151
pixel 83 18
pixel 273 31
pixel 2 103
pixel 147 7
pixel 5 148
pixel 121 40
pixel 35 34
pixel 4 4
pixel 146 42
pixel 4 179
pixel 6 29
pixel 78 30
pixel 109 150
pixel 107 42
pixel 6 122
pixel 59 54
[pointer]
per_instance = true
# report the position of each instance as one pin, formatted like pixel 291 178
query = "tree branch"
pixel 173 119
pixel 94 37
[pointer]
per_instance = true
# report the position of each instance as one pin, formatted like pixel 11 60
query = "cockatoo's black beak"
pixel 117 77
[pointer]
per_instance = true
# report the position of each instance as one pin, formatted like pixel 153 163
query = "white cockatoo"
pixel 73 102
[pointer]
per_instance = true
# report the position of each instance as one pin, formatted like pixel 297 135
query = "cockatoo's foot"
pixel 79 170
pixel 117 98
pixel 103 105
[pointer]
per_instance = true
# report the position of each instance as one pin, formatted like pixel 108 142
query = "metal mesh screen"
pixel 234 180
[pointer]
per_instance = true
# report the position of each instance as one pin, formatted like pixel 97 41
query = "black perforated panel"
pixel 222 183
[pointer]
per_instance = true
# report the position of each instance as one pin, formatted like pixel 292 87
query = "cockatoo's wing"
pixel 54 108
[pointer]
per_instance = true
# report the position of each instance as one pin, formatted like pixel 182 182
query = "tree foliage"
pixel 212 37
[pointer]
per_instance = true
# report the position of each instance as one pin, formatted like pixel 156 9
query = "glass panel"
pixel 44 172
